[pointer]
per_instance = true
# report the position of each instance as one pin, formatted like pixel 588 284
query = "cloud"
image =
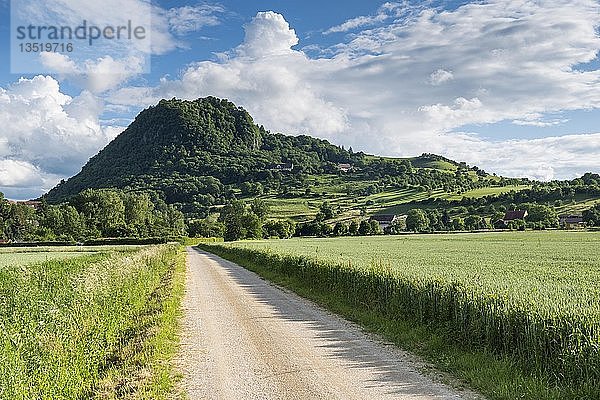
pixel 97 76
pixel 407 86
pixel 183 20
pixel 268 34
pixel 538 121
pixel 263 73
pixel 385 12
pixel 47 134
pixel 440 76
pixel 461 110
pixel 357 23
pixel 18 174
pixel 553 157
pixel 108 63
pixel 502 62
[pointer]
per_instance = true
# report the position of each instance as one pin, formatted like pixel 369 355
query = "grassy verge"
pixel 358 297
pixel 96 326
pixel 141 367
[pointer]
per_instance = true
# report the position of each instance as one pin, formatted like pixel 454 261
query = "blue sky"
pixel 511 87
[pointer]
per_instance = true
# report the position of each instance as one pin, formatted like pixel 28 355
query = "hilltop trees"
pixel 474 222
pixel 19 221
pixel 206 228
pixel 113 213
pixel 541 216
pixel 205 153
pixel 260 208
pixel 191 151
pixel 326 212
pixel 241 221
pixel 282 229
pixel 62 222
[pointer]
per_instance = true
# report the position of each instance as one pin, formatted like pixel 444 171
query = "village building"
pixel 345 167
pixel 287 167
pixel 511 216
pixel 36 205
pixel 572 221
pixel 515 215
pixel 385 220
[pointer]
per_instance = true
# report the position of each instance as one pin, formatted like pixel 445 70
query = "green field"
pixel 14 256
pixel 334 189
pixel 94 323
pixel 487 191
pixel 529 296
pixel 25 258
pixel 559 270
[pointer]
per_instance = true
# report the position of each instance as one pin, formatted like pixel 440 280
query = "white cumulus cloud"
pixel 99 75
pixel 385 12
pixel 46 134
pixel 186 19
pixel 384 91
pixel 440 76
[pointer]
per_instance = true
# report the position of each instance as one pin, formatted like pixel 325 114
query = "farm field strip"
pixel 26 258
pixel 547 264
pixel 11 256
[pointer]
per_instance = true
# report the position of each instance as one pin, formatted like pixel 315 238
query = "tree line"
pixel 94 213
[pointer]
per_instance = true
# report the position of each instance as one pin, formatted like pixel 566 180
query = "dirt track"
pixel 246 339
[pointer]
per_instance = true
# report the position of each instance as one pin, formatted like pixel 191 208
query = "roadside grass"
pixel 497 376
pixel 141 368
pixel 101 325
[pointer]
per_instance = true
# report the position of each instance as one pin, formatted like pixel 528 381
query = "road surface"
pixel 244 338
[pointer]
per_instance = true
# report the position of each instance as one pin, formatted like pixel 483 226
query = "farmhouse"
pixel 385 220
pixel 515 215
pixel 288 167
pixel 510 216
pixel 572 222
pixel 36 205
pixel 345 167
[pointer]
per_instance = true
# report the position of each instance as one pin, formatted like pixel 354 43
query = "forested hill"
pixel 185 146
pixel 204 153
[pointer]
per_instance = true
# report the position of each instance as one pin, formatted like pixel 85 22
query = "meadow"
pixel 21 256
pixel 531 297
pixel 94 323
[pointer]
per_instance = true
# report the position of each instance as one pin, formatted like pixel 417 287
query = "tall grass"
pixel 551 328
pixel 63 323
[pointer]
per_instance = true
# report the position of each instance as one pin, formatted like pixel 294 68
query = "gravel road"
pixel 244 338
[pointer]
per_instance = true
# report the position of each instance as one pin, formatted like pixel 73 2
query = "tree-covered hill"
pixel 203 153
pixel 184 148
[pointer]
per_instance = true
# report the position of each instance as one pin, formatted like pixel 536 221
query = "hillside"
pixel 198 155
pixel 191 149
